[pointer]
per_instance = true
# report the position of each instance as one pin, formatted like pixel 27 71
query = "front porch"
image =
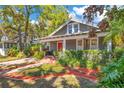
pixel 77 44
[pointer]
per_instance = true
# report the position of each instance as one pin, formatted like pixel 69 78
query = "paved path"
pixel 19 61
pixel 38 63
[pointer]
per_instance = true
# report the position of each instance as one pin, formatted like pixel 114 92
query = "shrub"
pixel 89 64
pixel 117 53
pixel 21 55
pixel 27 50
pixel 44 69
pixel 56 53
pixel 32 72
pixel 34 50
pixel 38 55
pixel 82 58
pixel 71 58
pixel 112 75
pixel 13 51
pixel 57 68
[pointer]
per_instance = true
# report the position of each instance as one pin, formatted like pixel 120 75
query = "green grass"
pixel 4 59
pixel 44 70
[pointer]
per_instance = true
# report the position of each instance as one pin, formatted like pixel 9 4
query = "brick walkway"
pixel 19 61
pixel 45 60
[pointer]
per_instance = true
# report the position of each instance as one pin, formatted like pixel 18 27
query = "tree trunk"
pixel 20 38
pixel 26 25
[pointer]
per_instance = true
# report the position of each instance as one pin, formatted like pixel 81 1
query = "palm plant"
pixel 112 75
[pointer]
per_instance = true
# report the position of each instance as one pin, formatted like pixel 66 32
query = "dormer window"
pixel 73 28
pixel 70 28
pixel 76 29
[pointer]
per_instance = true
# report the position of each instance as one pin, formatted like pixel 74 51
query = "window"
pixel 70 28
pixel 75 28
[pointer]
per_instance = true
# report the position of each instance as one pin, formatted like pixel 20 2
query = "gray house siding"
pixel 83 27
pixel 61 31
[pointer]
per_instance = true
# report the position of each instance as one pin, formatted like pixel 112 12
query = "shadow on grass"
pixel 67 81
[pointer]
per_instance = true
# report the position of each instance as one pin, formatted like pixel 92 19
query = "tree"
pixel 16 19
pixel 51 18
pixel 11 20
pixel 113 23
pixel 112 74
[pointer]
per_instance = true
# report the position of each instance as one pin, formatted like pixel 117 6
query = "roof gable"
pixel 67 22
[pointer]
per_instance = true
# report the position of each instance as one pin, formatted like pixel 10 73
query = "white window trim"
pixel 73 28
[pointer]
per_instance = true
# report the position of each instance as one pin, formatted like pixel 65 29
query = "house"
pixel 75 35
pixel 6 42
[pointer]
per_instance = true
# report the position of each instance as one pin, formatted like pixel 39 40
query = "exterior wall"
pixel 83 27
pixel 61 31
pixel 71 44
pixel 102 45
pixel 53 46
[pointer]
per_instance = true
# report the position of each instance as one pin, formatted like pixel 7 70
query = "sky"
pixel 75 11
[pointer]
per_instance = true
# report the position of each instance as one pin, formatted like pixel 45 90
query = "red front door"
pixel 59 45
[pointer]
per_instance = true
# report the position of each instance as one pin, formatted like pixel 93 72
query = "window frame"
pixel 73 29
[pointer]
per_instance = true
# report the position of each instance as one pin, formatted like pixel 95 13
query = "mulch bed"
pixel 79 72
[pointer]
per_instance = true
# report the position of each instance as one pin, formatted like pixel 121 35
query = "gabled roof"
pixel 73 19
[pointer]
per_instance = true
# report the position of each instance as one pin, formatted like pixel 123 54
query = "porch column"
pixel 3 45
pixel 109 46
pixel 3 49
pixel 64 45
pixel 83 43
pixel 97 42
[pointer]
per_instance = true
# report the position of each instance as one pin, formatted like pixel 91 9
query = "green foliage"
pixel 50 18
pixel 112 75
pixel 34 50
pixel 12 52
pixel 38 54
pixel 57 68
pixel 44 70
pixel 27 50
pixel 21 55
pixel 83 58
pixel 32 72
pixel 71 58
pixel 117 53
pixel 116 25
pixel 89 64
pixel 56 53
